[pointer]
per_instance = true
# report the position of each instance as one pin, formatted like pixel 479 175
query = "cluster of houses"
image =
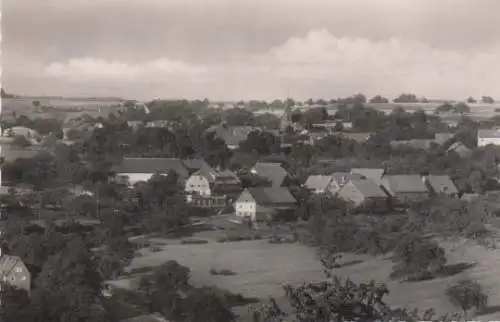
pixel 205 186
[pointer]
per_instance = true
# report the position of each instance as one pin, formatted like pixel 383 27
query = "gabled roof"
pixel 374 174
pixel 271 171
pixel 488 133
pixel 441 138
pixel 152 165
pixel 233 135
pixel 7 264
pixel 318 181
pixel 272 195
pixel 460 149
pixel 442 184
pixel 368 188
pixel 194 164
pixel 213 175
pixel 359 137
pixel 404 183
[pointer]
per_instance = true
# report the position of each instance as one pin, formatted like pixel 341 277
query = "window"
pixel 23 278
pixel 19 269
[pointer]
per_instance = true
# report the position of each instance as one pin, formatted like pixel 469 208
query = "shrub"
pixel 224 272
pixel 193 241
pixel 467 294
pixel 237 237
pixel 418 258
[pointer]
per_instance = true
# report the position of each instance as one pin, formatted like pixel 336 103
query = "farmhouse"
pixel 14 272
pixel 363 191
pixel 232 135
pixel 208 181
pixel 440 184
pixel 142 169
pixel 374 174
pixel 259 204
pixel 405 188
pixel 486 137
pixel 271 171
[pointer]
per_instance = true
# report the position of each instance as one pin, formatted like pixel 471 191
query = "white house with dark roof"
pixel 363 191
pixel 259 204
pixel 208 181
pixel 330 184
pixel 488 136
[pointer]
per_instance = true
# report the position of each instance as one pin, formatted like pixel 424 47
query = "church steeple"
pixel 286 118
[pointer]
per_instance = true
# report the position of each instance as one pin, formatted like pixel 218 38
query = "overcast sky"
pixel 251 49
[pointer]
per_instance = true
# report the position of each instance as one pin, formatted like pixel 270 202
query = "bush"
pixel 467 294
pixel 193 241
pixel 237 237
pixel 418 258
pixel 224 272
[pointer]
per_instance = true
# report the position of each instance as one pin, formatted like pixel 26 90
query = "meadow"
pixel 261 269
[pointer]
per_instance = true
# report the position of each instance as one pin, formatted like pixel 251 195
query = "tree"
pixel 467 294
pixel 21 141
pixel 461 108
pixel 471 100
pixel 378 99
pixel 487 100
pixel 406 98
pixel 417 258
pixel 15 305
pixel 444 108
pixel 207 304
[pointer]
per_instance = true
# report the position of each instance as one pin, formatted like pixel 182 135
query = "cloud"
pixel 89 69
pixel 318 64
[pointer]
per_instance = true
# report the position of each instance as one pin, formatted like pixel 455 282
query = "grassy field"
pixel 262 268
pixel 63 108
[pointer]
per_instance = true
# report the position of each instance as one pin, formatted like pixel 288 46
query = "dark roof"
pixel 442 184
pixel 194 164
pixel 368 188
pixel 233 135
pixel 404 183
pixel 152 165
pixel 271 171
pixel 272 195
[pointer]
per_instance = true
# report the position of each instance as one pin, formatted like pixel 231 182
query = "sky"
pixel 251 49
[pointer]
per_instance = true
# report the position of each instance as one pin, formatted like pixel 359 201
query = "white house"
pixel 486 137
pixel 258 204
pixel 208 181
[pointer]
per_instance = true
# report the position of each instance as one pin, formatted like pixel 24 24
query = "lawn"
pixel 262 268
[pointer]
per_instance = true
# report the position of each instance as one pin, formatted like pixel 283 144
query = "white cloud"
pixel 89 69
pixel 318 64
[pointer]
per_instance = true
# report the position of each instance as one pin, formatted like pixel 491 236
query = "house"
pixel 374 174
pixel 259 204
pixel 142 169
pixel 460 149
pixel 211 188
pixel 420 144
pixel 356 136
pixel 14 272
pixel 319 183
pixel 154 317
pixel 271 171
pixel 486 137
pixel 442 138
pixel 440 184
pixel 232 135
pixel 364 192
pixel 405 188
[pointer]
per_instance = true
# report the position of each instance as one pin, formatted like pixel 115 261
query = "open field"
pixel 262 268
pixel 24 106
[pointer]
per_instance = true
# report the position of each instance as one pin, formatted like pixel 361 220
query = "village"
pixel 162 172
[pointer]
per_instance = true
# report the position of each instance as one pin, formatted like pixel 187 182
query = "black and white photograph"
pixel 249 160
